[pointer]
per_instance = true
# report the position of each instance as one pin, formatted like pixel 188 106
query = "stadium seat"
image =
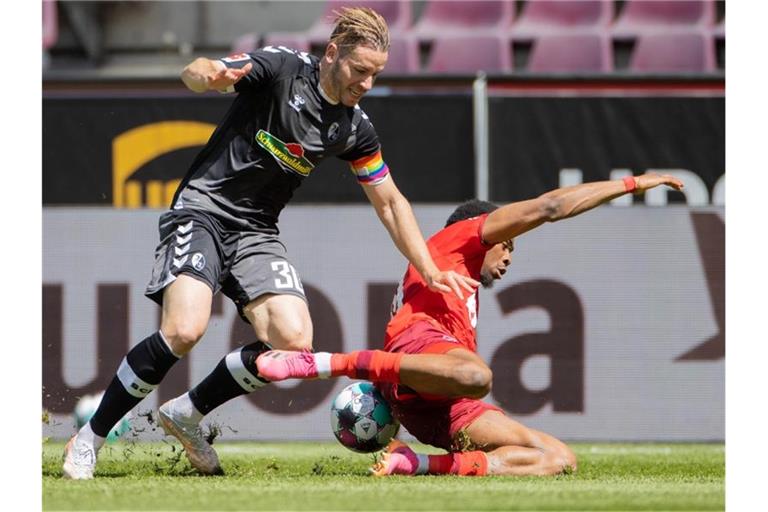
pixel 719 30
pixel 681 52
pixel 571 53
pixel 50 24
pixel 464 18
pixel 545 16
pixel 641 15
pixel 468 54
pixel 403 56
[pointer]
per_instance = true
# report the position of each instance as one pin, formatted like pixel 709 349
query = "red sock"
pixel 373 365
pixel 459 463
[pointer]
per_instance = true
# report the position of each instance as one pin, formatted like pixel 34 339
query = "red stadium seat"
pixel 640 15
pixel 477 17
pixel 50 24
pixel 557 15
pixel 571 53
pixel 468 54
pixel 691 52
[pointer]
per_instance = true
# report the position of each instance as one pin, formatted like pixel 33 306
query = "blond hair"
pixel 359 26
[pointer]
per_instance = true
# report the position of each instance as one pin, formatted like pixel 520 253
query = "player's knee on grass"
pixel 570 459
pixel 557 460
pixel 474 379
pixel 556 463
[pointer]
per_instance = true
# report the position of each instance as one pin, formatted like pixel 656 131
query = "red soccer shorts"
pixel 431 419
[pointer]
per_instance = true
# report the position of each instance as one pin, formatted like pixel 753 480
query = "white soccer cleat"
pixel 79 460
pixel 201 455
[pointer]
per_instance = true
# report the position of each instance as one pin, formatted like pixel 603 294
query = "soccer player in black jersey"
pixel 291 111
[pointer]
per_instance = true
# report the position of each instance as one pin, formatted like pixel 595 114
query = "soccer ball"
pixel 88 404
pixel 361 420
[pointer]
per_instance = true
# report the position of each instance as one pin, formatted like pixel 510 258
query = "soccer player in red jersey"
pixel 429 371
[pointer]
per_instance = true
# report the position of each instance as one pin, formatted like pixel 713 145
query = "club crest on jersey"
pixel 297 103
pixel 333 132
pixel 289 153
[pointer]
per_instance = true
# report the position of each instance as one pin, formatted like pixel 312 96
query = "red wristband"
pixel 629 183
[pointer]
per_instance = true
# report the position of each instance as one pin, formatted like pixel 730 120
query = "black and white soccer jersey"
pixel 277 130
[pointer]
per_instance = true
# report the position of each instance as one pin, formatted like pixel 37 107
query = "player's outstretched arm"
pixel 514 219
pixel 203 75
pixel 396 214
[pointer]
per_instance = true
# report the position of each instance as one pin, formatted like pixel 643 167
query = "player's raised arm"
pixel 396 214
pixel 204 74
pixel 516 218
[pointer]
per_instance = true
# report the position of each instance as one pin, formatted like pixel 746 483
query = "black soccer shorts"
pixel 241 264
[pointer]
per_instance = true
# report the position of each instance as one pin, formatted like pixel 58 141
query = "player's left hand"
pixel 450 281
pixel 650 180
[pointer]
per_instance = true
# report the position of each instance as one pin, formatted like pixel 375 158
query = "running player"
pixel 429 371
pixel 292 110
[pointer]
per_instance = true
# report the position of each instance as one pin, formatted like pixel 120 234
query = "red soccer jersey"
pixel 460 248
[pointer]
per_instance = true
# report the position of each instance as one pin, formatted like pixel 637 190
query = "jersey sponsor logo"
pixel 297 103
pixel 290 153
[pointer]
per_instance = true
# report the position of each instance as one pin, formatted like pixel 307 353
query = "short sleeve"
pixel 365 158
pixel 266 66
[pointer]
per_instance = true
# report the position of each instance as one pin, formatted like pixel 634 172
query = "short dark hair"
pixel 469 209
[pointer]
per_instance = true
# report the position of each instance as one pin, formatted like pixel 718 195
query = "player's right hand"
pixel 651 180
pixel 227 77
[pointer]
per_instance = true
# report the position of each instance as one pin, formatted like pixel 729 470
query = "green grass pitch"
pixel 325 476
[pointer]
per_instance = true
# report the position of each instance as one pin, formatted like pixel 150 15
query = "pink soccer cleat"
pixel 397 459
pixel 277 365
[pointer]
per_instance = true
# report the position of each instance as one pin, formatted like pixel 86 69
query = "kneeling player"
pixel 429 370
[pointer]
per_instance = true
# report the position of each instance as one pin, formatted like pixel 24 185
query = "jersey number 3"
pixel 288 276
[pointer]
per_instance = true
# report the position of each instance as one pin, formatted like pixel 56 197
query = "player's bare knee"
pixel 474 379
pixel 182 336
pixel 552 463
pixel 291 338
pixel 558 462
pixel 571 464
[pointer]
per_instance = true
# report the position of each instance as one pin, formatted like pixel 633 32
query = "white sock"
pixel 323 364
pixel 183 406
pixel 423 464
pixel 88 436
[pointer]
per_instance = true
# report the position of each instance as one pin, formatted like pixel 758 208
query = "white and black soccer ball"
pixel 361 420
pixel 86 407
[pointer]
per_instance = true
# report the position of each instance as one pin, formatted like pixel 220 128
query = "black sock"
pixel 139 373
pixel 235 375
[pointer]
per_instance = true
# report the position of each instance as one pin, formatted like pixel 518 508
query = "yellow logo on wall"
pixel 133 149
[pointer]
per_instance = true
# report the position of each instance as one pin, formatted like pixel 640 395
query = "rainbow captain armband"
pixel 370 170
